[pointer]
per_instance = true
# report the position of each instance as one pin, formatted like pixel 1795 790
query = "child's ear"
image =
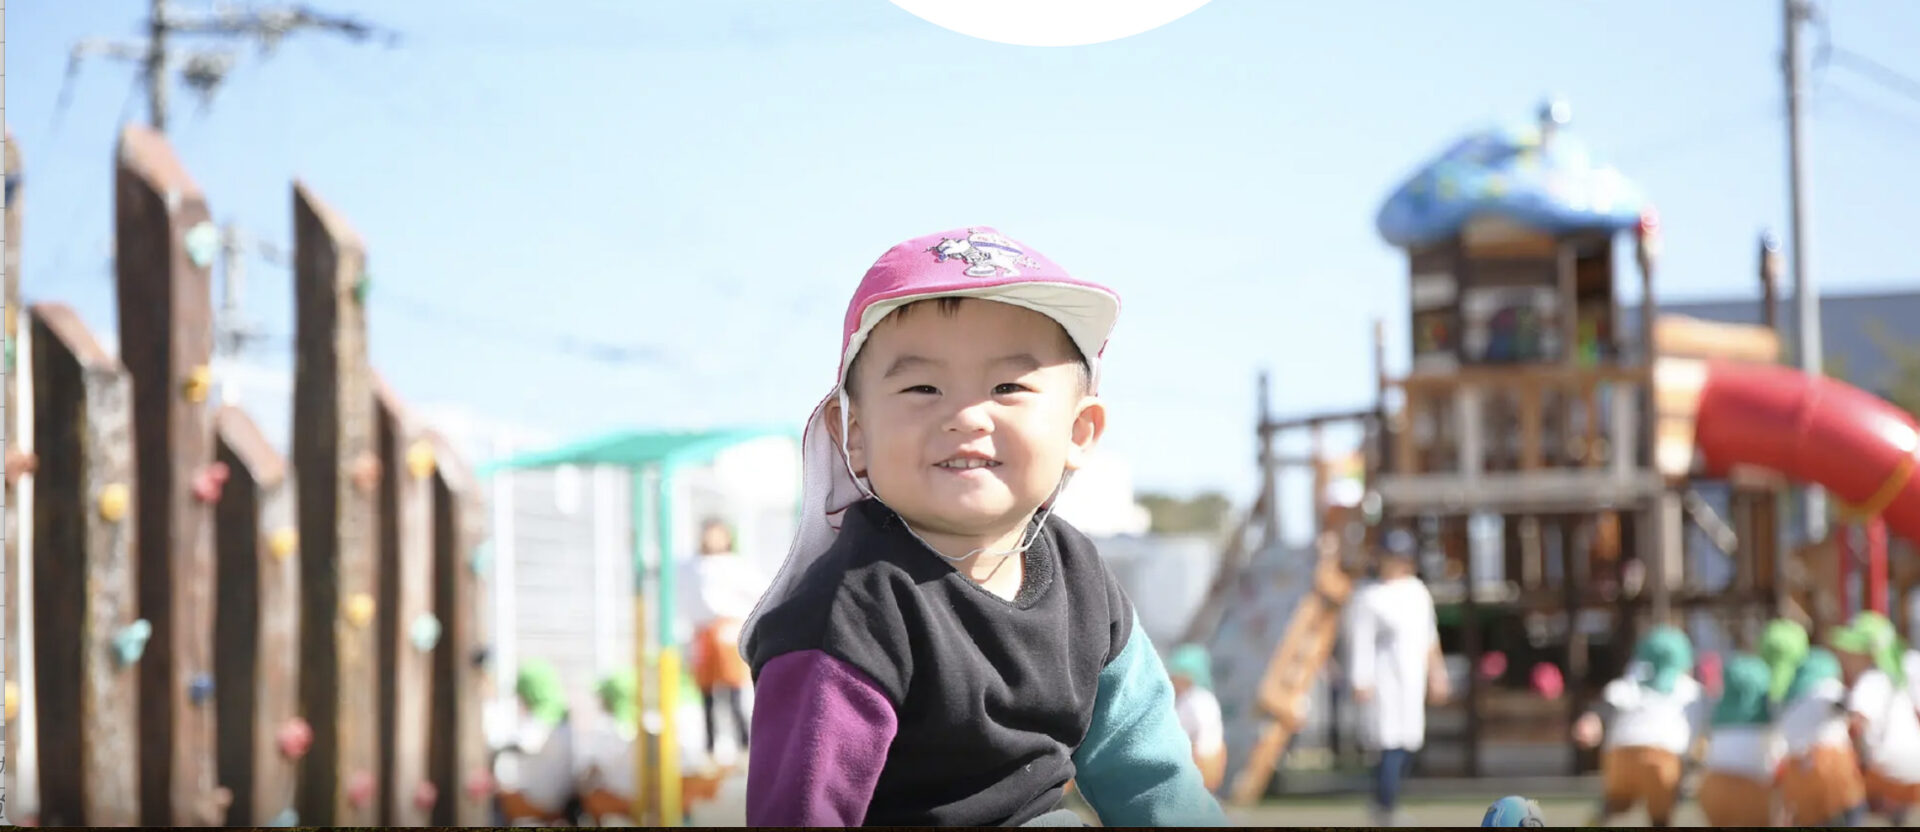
pixel 1089 424
pixel 855 439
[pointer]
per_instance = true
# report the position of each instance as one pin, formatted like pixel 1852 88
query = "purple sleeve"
pixel 820 734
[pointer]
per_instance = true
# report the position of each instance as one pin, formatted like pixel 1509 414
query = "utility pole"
pixel 203 70
pixel 1806 296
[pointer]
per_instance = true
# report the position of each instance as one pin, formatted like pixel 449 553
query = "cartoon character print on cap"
pixel 986 254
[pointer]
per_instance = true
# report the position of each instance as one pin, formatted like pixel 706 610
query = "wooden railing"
pixel 1448 422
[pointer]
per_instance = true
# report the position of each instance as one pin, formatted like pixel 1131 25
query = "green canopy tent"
pixel 653 459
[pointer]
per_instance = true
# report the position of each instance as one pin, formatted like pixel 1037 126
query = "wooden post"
pixel 1455 528
pixel 257 627
pixel 16 464
pixel 339 476
pixel 85 623
pixel 457 748
pixel 164 248
pixel 409 629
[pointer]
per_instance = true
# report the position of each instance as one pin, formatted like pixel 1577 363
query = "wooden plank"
pixel 164 248
pixel 334 457
pixel 84 590
pixel 17 462
pixel 459 765
pixel 1531 420
pixel 257 630
pixel 1297 661
pixel 411 632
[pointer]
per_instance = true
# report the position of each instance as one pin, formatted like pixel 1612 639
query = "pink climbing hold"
pixel 294 738
pixel 360 788
pixel 1547 681
pixel 425 794
pixel 1493 665
pixel 479 784
pixel 209 482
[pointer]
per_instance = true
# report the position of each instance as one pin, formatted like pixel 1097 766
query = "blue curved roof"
pixel 1516 171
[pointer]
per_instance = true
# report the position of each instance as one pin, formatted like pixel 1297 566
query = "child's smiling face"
pixel 965 415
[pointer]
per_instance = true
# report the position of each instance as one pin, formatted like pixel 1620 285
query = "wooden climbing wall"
pixel 257 630
pixel 216 638
pixel 89 639
pixel 165 243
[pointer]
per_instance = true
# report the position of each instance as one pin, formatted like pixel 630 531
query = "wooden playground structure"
pixel 202 632
pixel 1609 466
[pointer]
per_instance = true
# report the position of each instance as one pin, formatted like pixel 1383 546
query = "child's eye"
pixel 924 389
pixel 1009 389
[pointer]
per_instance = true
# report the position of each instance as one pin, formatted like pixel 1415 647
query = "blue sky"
pixel 709 179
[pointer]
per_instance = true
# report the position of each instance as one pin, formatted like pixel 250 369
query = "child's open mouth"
pixel 965 464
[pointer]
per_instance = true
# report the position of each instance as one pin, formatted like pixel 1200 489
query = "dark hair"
pixel 949 306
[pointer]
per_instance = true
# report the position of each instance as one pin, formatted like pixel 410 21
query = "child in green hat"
pixel 1820 782
pixel 1654 713
pixel 1191 671
pixel 1886 724
pixel 1744 749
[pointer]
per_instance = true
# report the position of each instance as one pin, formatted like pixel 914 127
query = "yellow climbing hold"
pixel 283 542
pixel 360 609
pixel 420 459
pixel 13 700
pixel 198 384
pixel 113 502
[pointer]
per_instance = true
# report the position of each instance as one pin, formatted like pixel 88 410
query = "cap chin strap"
pixel 846 458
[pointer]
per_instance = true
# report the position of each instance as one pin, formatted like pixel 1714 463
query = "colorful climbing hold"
pixel 479 784
pixel 113 502
pixel 287 817
pixel 362 286
pixel 283 542
pixel 425 632
pixel 365 472
pixel 209 482
pixel 19 464
pixel 480 655
pixel 425 794
pixel 130 643
pixel 202 241
pixel 360 609
pixel 200 689
pixel 481 559
pixel 420 459
pixel 360 788
pixel 198 384
pixel 13 700
pixel 294 738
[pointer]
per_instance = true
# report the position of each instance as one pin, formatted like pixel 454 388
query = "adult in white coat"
pixel 1395 669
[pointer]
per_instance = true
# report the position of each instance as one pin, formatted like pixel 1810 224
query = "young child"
pixel 1744 749
pixel 1192 672
pixel 725 587
pixel 1820 782
pixel 1396 668
pixel 937 650
pixel 1657 711
pixel 1886 725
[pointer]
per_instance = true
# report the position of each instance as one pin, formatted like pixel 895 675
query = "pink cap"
pixel 979 262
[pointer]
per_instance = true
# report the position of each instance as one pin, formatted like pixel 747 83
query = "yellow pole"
pixel 669 764
pixel 642 805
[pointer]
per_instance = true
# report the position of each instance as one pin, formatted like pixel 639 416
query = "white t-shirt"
pixel 1199 715
pixel 1752 751
pixel 1816 720
pixel 1391 631
pixel 1892 735
pixel 723 586
pixel 1646 718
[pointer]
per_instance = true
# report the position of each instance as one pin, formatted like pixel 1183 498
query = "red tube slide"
pixel 1861 448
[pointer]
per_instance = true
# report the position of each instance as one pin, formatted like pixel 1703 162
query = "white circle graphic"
pixel 1050 22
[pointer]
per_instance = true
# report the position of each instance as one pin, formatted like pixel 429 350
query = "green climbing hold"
pixel 425 632
pixel 481 559
pixel 361 287
pixel 131 642
pixel 202 242
pixel 9 355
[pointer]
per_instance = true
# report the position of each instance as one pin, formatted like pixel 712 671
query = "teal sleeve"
pixel 1136 766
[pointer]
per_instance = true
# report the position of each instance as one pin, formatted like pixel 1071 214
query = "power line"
pixel 1886 76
